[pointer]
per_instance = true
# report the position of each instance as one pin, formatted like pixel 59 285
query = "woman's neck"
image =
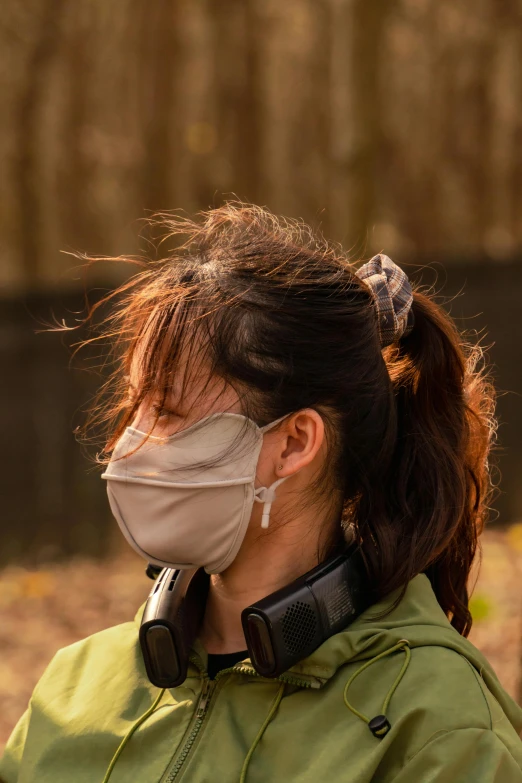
pixel 264 564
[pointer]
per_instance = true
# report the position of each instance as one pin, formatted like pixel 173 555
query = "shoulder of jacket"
pixel 441 695
pixel 107 659
pixel 450 686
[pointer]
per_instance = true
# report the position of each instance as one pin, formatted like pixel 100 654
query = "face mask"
pixel 175 506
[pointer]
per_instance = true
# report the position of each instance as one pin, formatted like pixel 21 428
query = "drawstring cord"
pixel 129 735
pixel 125 740
pixel 269 717
pixel 380 725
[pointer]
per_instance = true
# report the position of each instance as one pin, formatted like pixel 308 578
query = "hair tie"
pixel 392 296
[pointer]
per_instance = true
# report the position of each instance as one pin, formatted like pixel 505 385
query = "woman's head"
pixel 256 315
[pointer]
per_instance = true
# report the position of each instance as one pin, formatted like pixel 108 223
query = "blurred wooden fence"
pixel 52 501
pixel 395 123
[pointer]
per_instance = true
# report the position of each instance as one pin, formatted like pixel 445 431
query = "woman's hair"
pixel 280 315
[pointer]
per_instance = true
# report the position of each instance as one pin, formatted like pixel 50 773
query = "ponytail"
pixel 433 499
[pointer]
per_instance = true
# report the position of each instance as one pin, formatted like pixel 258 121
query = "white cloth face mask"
pixel 185 500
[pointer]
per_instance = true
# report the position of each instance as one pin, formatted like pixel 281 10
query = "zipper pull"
pixel 203 700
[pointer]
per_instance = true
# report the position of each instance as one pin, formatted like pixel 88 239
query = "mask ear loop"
pixel 267 495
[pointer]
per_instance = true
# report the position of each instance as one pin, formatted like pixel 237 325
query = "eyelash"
pixel 162 412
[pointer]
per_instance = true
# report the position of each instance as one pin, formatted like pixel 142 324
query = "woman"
pixel 255 363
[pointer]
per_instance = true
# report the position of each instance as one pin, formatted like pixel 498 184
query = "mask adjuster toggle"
pixel 267 495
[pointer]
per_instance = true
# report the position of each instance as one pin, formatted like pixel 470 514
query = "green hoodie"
pixel 451 721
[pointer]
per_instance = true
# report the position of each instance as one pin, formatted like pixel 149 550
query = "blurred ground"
pixel 43 610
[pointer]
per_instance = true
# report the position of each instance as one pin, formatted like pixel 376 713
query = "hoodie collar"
pixel 418 615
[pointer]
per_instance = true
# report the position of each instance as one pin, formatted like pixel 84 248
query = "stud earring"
pixel 280 467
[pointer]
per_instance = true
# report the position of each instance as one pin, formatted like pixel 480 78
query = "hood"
pixel 419 619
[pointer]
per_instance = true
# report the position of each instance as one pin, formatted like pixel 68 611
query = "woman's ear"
pixel 304 436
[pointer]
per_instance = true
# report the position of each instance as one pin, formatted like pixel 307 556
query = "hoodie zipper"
pixel 201 709
pixel 208 689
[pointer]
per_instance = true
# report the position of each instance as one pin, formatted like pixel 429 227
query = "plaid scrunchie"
pixel 392 295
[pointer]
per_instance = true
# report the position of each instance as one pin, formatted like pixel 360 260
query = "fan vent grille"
pixel 298 626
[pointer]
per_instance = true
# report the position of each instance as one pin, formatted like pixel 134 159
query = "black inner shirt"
pixel 217 663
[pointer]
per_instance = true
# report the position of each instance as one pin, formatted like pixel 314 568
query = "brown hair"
pixel 285 320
